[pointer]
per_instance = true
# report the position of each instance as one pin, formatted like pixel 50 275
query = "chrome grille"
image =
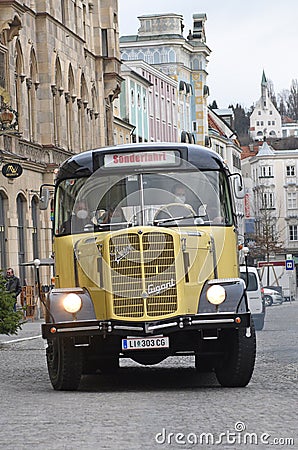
pixel 143 274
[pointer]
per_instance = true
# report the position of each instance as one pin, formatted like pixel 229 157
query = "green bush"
pixel 10 320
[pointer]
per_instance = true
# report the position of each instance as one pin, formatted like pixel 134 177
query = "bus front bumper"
pixel 149 328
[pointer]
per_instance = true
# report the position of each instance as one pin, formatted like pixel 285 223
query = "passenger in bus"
pixel 79 219
pixel 115 215
pixel 111 215
pixel 214 214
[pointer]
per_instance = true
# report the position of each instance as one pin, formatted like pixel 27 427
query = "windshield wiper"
pixel 114 224
pixel 159 221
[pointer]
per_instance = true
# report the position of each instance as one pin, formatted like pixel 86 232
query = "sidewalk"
pixel 29 329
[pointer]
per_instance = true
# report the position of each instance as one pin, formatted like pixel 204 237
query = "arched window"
pixel 21 213
pixel 19 78
pixel 69 98
pixel 156 57
pixel 57 91
pixel 34 214
pixel 172 56
pixel 82 113
pixel 94 115
pixel 3 210
pixel 32 84
pixel 195 64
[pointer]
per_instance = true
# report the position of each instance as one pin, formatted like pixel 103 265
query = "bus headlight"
pixel 216 294
pixel 72 303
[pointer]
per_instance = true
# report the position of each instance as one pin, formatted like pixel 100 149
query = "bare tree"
pixel 266 240
pixel 292 102
pixel 271 92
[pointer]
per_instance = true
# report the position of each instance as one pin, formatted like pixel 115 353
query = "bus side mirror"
pixel 238 185
pixel 44 198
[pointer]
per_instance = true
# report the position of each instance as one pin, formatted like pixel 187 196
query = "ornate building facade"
pixel 59 76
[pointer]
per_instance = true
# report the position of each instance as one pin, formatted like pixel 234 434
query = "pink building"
pixel 162 102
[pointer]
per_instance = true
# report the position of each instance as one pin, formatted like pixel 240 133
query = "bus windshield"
pixel 98 203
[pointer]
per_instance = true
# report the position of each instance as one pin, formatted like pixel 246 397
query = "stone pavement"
pixel 29 329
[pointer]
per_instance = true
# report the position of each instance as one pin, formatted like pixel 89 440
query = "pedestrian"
pixel 13 285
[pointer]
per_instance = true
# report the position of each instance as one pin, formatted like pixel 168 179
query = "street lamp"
pixel 36 263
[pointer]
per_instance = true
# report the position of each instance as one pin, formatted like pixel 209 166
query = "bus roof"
pixel 83 164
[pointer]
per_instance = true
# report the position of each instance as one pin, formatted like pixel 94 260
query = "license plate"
pixel 145 343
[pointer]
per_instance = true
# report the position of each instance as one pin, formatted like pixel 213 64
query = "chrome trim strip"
pixel 166 325
pixel 63 330
pixel 195 322
pixel 126 327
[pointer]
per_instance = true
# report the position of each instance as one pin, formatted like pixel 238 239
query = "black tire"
pixel 89 367
pixel 109 365
pixel 65 363
pixel 204 364
pixel 239 360
pixel 268 300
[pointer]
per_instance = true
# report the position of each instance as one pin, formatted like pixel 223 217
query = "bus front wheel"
pixel 239 358
pixel 65 364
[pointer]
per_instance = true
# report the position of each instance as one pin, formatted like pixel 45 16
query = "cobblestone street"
pixel 162 406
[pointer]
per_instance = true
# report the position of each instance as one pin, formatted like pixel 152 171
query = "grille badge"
pixel 120 254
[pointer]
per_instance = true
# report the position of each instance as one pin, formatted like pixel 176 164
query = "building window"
pixel 290 171
pixel 34 211
pixel 269 122
pixel 273 122
pixel 21 214
pixel 104 42
pixel 270 112
pixel 2 69
pixel 292 200
pixel 293 232
pixel 266 171
pixel 259 113
pixel 268 200
pixel 2 231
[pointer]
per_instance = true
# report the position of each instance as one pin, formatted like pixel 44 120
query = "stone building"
pixel 59 75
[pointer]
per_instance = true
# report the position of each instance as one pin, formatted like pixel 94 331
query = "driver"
pixel 180 192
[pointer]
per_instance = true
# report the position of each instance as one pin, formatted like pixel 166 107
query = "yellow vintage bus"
pixel 146 264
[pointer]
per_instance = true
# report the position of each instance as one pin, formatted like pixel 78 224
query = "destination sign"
pixel 137 159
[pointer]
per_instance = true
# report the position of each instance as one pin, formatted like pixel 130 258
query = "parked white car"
pixel 254 295
pixel 271 297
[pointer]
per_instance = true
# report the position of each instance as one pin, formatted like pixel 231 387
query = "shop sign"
pixel 12 170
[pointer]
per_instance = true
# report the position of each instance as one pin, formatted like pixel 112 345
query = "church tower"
pixel 265 120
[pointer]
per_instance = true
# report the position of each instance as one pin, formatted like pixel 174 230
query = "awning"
pixel 43 262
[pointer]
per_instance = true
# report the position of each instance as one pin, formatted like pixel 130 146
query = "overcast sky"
pixel 245 37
